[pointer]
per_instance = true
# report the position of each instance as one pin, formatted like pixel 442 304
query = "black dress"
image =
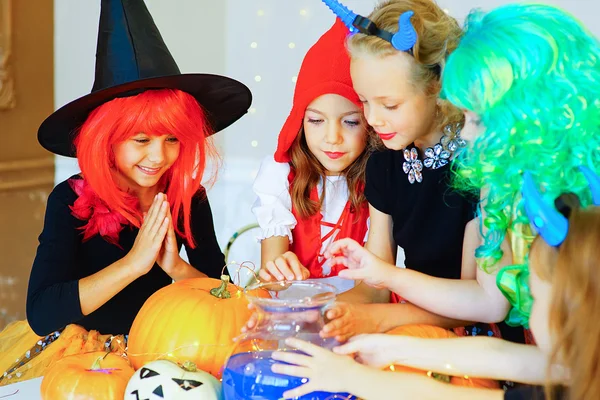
pixel 535 393
pixel 429 220
pixel 62 259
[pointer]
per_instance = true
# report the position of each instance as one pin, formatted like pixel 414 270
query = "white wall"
pixel 216 36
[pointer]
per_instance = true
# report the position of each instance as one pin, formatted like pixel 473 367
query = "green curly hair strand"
pixel 532 74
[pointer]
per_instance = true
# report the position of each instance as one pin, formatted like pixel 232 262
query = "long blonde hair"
pixel 574 272
pixel 438 35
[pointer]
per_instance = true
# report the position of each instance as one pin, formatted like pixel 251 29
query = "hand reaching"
pixel 252 321
pixel 361 263
pixel 285 267
pixel 325 370
pixel 347 320
pixel 375 350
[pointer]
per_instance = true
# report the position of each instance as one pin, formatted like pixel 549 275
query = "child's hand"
pixel 168 257
pixel 309 316
pixel 361 263
pixel 149 240
pixel 326 371
pixel 285 267
pixel 347 320
pixel 252 321
pixel 376 350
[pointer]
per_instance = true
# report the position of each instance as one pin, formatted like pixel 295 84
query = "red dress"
pixel 308 242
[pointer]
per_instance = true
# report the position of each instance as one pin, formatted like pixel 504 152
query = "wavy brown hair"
pixel 438 35
pixel 309 171
pixel 574 272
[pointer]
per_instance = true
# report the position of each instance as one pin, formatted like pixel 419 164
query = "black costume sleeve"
pixel 378 192
pixel 53 292
pixel 527 392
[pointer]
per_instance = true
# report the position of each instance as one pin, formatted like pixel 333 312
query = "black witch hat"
pixel 132 57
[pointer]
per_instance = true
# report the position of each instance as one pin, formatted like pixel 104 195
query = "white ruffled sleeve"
pixel 273 205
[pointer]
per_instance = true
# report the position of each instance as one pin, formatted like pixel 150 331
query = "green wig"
pixel 532 74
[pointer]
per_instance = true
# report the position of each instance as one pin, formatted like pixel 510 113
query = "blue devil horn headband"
pixel 547 220
pixel 403 40
pixel 594 182
pixel 549 223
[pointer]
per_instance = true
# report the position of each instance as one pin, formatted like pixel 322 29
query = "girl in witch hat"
pixel 311 191
pixel 112 234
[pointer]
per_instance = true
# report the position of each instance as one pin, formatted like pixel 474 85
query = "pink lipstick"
pixel 334 155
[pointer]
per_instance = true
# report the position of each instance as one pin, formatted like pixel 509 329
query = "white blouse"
pixel 273 207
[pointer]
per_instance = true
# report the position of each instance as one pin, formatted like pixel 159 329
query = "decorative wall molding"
pixel 26 174
pixel 24 188
pixel 7 87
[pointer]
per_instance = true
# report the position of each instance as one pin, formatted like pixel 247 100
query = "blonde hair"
pixel 574 273
pixel 438 35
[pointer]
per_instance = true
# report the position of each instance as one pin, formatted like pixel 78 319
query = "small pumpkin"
pixel 435 332
pixel 190 320
pixel 164 379
pixel 88 376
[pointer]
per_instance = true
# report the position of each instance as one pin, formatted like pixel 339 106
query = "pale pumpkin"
pixel 89 376
pixel 191 320
pixel 435 332
pixel 164 379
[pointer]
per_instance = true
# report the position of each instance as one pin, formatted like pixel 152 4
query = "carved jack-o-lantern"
pixel 166 380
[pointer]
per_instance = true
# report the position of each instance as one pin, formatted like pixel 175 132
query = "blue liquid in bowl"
pixel 248 376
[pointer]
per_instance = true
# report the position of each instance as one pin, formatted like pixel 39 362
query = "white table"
pixel 26 390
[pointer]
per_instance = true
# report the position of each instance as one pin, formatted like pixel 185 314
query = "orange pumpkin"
pixel 435 332
pixel 191 320
pixel 89 376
